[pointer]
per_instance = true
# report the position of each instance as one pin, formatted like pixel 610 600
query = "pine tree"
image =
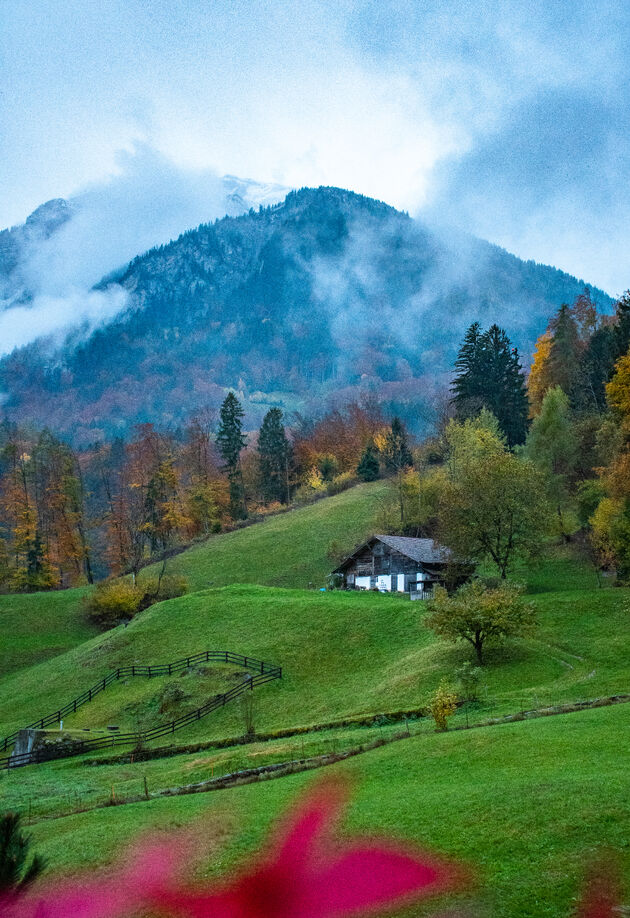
pixel 368 468
pixel 15 874
pixel 273 458
pixel 230 441
pixel 622 326
pixel 468 383
pixel 490 376
pixel 397 456
pixel 396 452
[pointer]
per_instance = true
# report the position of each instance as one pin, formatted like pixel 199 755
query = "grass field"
pixel 287 550
pixel 522 801
pixel 525 804
pixel 37 626
pixel 341 653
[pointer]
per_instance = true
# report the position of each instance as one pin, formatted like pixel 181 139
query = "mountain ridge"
pixel 323 297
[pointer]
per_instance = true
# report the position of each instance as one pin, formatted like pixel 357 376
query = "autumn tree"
pixel 206 496
pixel 274 453
pixel 539 376
pixel 493 503
pixel 230 442
pixel 611 520
pixel 479 614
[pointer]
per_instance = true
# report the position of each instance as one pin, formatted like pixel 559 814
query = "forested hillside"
pixel 324 297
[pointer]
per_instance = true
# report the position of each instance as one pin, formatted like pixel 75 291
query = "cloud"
pixel 148 202
pixel 49 316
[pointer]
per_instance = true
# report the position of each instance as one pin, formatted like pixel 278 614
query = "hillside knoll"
pixel 329 293
pixel 289 550
pixel 342 654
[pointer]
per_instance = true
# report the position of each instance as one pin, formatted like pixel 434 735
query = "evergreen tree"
pixel 597 368
pixel 273 458
pixel 622 327
pixel 15 874
pixel 468 383
pixel 397 458
pixel 396 451
pixel 490 376
pixel 230 441
pixel 368 468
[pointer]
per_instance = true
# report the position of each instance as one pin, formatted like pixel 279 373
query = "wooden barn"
pixel 396 564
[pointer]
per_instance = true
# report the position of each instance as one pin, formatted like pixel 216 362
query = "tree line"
pixel 69 517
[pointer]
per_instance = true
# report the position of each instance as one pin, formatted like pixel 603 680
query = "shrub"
pixel 154 589
pixel 443 705
pixel 341 483
pixel 116 601
pixel 113 601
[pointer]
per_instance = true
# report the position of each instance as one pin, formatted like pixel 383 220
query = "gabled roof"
pixel 424 551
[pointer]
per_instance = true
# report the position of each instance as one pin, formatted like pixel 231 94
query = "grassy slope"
pixel 525 803
pixel 288 550
pixel 342 653
pixel 37 626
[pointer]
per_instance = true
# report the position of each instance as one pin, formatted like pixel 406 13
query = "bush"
pixel 341 483
pixel 155 590
pixel 116 601
pixel 443 705
pixel 113 601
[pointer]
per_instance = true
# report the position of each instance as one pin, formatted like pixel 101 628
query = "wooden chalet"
pixel 396 564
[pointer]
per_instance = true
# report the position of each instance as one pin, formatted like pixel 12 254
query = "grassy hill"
pixel 521 801
pixel 37 626
pixel 524 804
pixel 285 550
pixel 342 654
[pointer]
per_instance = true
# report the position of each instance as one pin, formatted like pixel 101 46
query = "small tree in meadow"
pixel 477 614
pixel 443 705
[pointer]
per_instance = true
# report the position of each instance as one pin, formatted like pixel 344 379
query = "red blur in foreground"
pixel 301 876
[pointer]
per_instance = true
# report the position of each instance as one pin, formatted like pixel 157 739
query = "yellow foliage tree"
pixel 539 378
pixel 443 705
pixel 618 392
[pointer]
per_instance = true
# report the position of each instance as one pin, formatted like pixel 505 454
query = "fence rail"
pixel 263 672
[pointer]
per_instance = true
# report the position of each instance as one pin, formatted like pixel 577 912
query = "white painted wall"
pixel 362 583
pixel 384 582
pixel 401 583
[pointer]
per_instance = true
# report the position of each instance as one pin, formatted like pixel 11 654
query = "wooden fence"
pixel 262 672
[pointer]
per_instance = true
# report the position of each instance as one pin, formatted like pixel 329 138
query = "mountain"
pixel 324 297
pixel 29 251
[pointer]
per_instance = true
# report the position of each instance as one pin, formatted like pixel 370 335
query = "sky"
pixel 507 119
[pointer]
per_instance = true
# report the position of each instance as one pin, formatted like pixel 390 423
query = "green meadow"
pixel 526 803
